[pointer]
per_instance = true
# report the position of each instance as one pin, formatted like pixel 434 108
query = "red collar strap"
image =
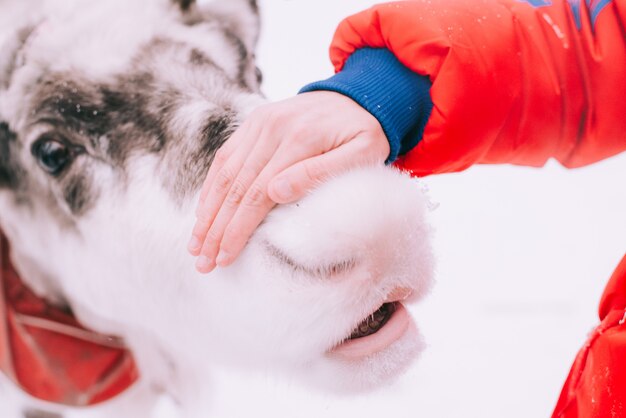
pixel 45 351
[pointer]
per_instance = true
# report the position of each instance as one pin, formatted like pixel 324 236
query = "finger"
pixel 222 155
pixel 253 209
pixel 219 185
pixel 256 204
pixel 220 177
pixel 209 252
pixel 219 159
pixel 294 182
pixel 240 187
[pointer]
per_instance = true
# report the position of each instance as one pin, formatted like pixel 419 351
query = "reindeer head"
pixel 110 113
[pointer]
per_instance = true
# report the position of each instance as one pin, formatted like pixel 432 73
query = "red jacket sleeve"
pixel 513 81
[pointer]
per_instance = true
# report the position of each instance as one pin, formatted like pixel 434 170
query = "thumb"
pixel 295 182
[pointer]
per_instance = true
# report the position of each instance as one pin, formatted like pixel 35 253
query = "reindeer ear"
pixel 10 54
pixel 18 19
pixel 241 17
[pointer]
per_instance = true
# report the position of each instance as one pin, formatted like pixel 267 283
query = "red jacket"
pixel 519 82
pixel 511 82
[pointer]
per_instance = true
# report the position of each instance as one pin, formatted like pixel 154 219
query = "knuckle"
pixel 256 196
pixel 223 180
pixel 212 238
pixel 314 170
pixel 307 133
pixel 220 157
pixel 236 193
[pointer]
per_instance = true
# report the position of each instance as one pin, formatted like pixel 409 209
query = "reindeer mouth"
pixel 373 323
pixel 375 333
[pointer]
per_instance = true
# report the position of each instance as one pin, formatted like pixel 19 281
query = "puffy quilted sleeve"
pixel 513 81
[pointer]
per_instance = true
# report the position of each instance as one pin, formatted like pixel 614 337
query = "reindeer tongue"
pixel 374 322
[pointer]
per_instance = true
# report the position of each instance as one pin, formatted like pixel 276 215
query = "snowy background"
pixel 523 257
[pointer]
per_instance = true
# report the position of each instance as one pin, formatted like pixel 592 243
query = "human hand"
pixel 279 153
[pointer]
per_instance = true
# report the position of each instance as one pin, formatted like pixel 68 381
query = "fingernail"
pixel 223 258
pixel 283 189
pixel 194 244
pixel 204 264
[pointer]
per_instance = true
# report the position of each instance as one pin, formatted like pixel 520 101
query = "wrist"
pixel 397 97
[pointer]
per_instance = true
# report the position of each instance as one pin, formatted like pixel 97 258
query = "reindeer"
pixel 110 115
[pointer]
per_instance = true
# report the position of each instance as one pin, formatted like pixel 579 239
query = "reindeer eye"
pixel 52 155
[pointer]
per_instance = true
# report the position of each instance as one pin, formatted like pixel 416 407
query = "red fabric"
pixel 510 83
pixel 49 355
pixel 596 385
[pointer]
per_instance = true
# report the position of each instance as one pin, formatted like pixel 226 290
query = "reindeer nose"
pixel 366 224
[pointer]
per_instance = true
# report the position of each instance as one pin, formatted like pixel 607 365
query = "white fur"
pixel 126 270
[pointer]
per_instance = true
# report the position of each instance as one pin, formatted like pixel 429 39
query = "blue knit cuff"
pixel 393 94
